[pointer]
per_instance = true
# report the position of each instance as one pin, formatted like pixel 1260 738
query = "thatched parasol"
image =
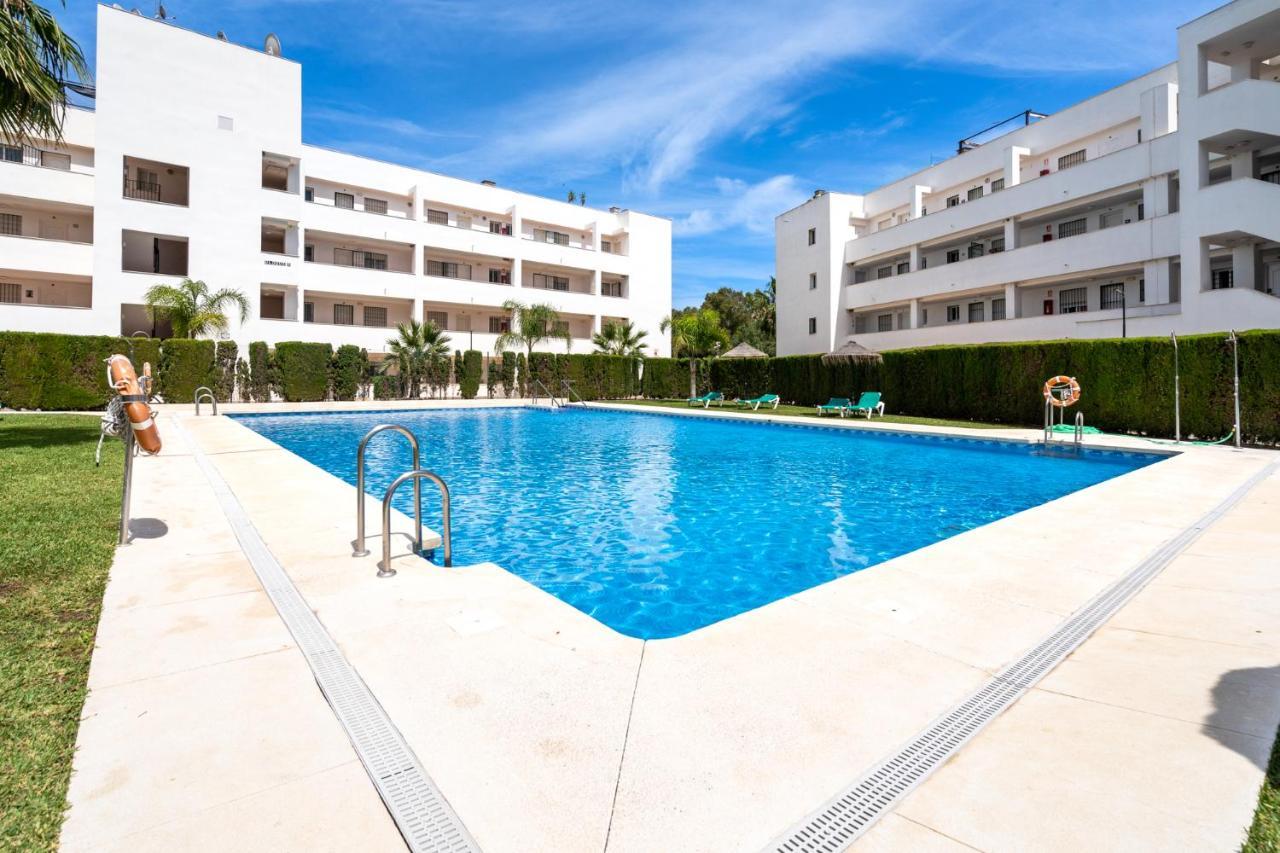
pixel 851 350
pixel 744 350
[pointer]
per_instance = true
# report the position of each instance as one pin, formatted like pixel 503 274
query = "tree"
pixel 35 56
pixel 192 310
pixel 620 339
pixel 418 353
pixel 531 325
pixel 747 316
pixel 695 334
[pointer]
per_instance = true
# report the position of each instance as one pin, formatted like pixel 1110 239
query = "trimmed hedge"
pixel 303 369
pixel 472 368
pixel 594 377
pixel 185 365
pixel 224 356
pixel 1127 383
pixel 260 378
pixel 348 371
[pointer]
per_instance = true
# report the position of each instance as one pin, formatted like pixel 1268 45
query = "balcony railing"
pixel 144 190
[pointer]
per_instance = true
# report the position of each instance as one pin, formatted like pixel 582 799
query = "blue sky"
pixel 718 115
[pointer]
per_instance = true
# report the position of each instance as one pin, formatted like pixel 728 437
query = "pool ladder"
pixel 1078 433
pixel 417 475
pixel 205 393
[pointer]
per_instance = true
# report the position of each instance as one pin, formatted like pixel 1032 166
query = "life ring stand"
pixel 124 381
pixel 1053 391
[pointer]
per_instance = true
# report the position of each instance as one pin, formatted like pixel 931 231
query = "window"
pixel 953 255
pixel 953 201
pixel 813 236
pixel 494 227
pixel 997 308
pixel 559 238
pixel 308 312
pixel 953 313
pixel 344 315
pixel 976 312
pixel 375 315
pixel 463 323
pixel 560 327
pixel 550 282
pixel 346 201
pixel 976 250
pixel 449 269
pixel 1073 300
pixel 360 258
pixel 1111 219
pixel 975 193
pixel 1269 177
pixel 11 153
pixel 11 223
pixel 499 276
pixel 1222 279
pixel 859 325
pixel 884 272
pixel 309 194
pixel 1111 296
pixel 375 205
pixel 1142 211
pixel 813 281
pixel 924 263
pixel 499 325
pixel 10 293
pixel 610 288
pixel 884 323
pixel 813 325
pixel 54 160
pixel 997 185
pixel 924 316
pixel 308 252
pixel 1072 228
pixel 439 319
pixel 997 245
pixel 606 246
pixel 437 217
pixel 1142 290
pixel 904 267
pixel 859 276
pixel 1075 158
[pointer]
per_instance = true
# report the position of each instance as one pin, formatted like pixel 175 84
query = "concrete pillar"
pixel 1246 267
pixel 914 314
pixel 1243 68
pixel 595 236
pixel 1243 165
pixel 595 281
pixel 914 259
pixel 1013 164
pixel 1155 275
pixel 517 273
pixel 515 221
pixel 1198 264
pixel 418 313
pixel 292 305
pixel 1155 196
pixel 1010 234
pixel 1158 111
pixel 918 193
pixel 1012 306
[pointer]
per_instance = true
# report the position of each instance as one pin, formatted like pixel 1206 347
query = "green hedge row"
pixel 469 375
pixel 593 377
pixel 303 369
pixel 1127 384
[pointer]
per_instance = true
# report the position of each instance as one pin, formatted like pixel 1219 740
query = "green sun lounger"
pixel 868 404
pixel 835 404
pixel 755 403
pixel 707 399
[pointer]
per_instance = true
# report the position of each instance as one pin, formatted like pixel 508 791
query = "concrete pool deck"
pixel 548 731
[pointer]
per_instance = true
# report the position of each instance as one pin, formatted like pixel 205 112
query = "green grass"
pixel 811 412
pixel 56 545
pixel 1264 835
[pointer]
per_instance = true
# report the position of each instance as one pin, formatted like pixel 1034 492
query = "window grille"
pixel 344 315
pixel 375 315
pixel 11 224
pixel 1073 300
pixel 1072 228
pixel 375 205
pixel 1075 158
pixel 997 308
pixel 1111 296
pixel 346 201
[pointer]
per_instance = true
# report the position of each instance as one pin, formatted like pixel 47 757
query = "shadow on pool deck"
pixel 1235 695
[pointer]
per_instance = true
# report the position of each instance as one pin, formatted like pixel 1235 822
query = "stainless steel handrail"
pixel 204 392
pixel 359 550
pixel 555 404
pixel 384 568
pixel 1079 428
pixel 569 393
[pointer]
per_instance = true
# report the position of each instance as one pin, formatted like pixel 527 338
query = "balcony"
pixel 556 279
pixel 151 180
pixel 30 180
pixel 25 290
pixel 1244 206
pixel 158 254
pixel 1116 247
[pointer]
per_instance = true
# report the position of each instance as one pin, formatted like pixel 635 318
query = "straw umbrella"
pixel 853 351
pixel 745 350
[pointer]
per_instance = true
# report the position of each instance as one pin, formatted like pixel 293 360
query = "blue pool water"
pixel 658 524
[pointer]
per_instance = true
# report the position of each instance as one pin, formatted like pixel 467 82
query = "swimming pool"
pixel 658 524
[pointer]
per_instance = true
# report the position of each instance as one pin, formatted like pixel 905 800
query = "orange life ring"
pixel 1062 401
pixel 124 381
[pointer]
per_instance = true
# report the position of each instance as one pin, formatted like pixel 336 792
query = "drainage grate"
pixel 420 811
pixel 840 821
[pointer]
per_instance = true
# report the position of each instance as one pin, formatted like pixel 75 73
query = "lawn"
pixel 811 412
pixel 1264 835
pixel 56 546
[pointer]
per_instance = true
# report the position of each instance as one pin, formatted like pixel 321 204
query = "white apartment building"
pixel 192 165
pixel 1151 208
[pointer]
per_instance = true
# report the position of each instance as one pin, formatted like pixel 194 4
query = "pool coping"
pixel 629 674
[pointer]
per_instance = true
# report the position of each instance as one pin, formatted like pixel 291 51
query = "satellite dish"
pixel 271 45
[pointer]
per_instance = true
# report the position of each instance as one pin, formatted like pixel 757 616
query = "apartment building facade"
pixel 1151 208
pixel 192 165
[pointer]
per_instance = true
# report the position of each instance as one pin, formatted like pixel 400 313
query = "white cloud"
pixel 737 204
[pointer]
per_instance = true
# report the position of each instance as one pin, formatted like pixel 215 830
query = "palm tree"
pixel 35 56
pixel 620 339
pixel 192 310
pixel 532 325
pixel 695 334
pixel 417 352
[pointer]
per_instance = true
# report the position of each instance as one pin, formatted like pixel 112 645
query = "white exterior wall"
pixel 1176 183
pixel 189 88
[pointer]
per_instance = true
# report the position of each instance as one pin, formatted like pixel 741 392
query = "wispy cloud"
pixel 738 204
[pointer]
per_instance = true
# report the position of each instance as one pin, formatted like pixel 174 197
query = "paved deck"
pixel 548 731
